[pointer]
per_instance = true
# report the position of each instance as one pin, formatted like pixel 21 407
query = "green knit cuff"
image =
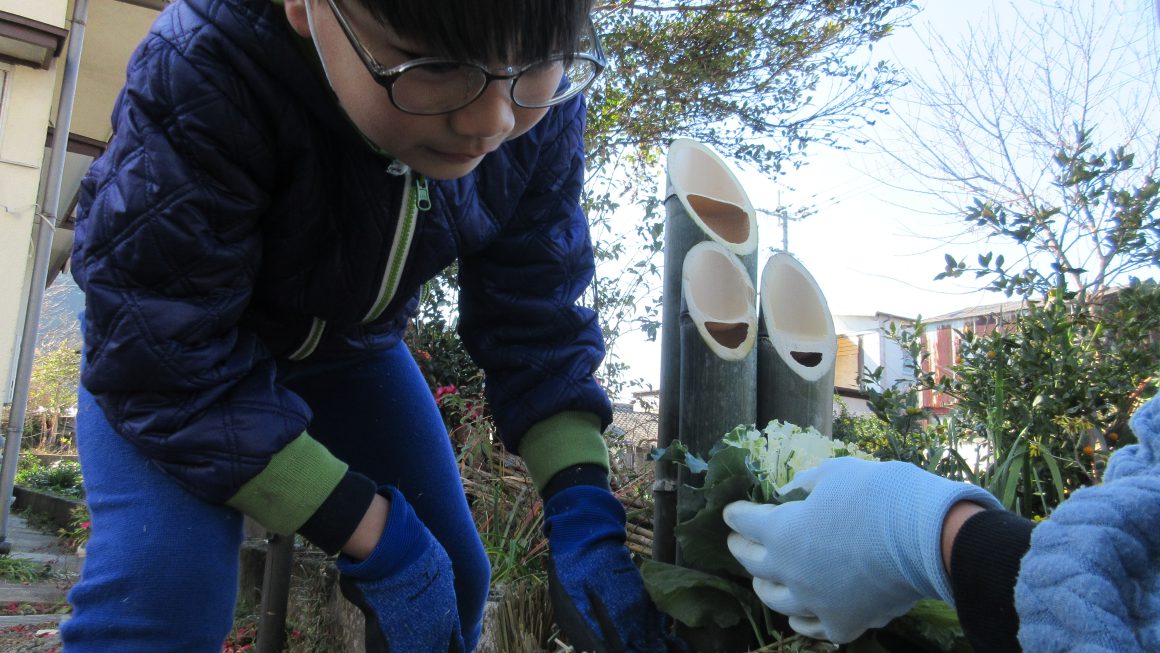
pixel 561 441
pixel 292 487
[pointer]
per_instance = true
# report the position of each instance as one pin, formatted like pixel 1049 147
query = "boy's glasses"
pixel 430 86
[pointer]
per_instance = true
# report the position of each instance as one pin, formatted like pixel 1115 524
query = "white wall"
pixel 877 349
pixel 24 115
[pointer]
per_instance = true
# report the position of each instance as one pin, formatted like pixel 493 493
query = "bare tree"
pixel 1003 135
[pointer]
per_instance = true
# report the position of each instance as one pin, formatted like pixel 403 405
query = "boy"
pixel 282 181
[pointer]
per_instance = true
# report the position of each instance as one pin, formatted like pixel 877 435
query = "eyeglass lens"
pixel 439 87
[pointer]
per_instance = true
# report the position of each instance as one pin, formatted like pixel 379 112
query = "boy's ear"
pixel 296 16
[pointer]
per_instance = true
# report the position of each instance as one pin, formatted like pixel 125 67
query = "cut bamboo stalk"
pixel 718 376
pixel 718 362
pixel 703 201
pixel 797 348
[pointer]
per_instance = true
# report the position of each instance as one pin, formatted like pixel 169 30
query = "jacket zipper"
pixel 312 339
pixel 414 200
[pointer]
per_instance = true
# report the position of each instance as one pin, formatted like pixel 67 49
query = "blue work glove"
pixel 860 550
pixel 405 588
pixel 597 593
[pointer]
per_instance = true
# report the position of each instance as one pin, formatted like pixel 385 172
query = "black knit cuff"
pixel 985 561
pixel 583 474
pixel 339 515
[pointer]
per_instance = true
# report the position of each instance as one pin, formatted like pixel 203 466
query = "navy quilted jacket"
pixel 237 219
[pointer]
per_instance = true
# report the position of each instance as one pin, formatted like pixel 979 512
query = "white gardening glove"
pixel 860 550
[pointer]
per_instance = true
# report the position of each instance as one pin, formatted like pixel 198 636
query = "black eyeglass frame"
pixel 386 77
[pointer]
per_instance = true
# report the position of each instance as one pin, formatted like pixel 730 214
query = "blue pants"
pixel 161 571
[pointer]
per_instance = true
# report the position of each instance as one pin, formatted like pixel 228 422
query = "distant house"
pixel 863 344
pixel 943 335
pixel 633 432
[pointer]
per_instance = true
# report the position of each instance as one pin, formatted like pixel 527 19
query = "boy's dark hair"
pixel 515 31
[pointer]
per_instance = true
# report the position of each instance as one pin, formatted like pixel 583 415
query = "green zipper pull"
pixel 424 203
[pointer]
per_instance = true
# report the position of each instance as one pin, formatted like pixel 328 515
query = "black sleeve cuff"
pixel 985 561
pixel 339 515
pixel 582 474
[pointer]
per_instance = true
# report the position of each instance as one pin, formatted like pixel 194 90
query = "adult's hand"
pixel 860 550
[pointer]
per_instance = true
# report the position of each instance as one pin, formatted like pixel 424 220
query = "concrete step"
pixel 49 621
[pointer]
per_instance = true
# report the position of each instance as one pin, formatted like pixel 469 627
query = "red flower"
pixel 443 391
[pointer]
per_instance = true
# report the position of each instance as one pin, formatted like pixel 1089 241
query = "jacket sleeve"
pixel 985 562
pixel 168 249
pixel 520 315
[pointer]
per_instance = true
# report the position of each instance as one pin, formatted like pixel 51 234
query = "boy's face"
pixel 440 147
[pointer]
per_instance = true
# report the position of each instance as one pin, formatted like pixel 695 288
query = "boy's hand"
pixel 597 593
pixel 405 587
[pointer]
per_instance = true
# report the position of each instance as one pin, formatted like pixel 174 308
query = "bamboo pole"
pixel 718 363
pixel 703 201
pixel 718 375
pixel 797 348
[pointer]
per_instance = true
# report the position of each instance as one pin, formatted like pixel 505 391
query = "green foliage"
pixel 745 77
pixel 906 430
pixel 433 339
pixel 51 395
pixel 1046 395
pixel 868 432
pixel 1106 196
pixel 62 477
pixel 697 598
pixel 21 570
pixel 80 526
pixel 510 522
pixel 1045 399
pixel 39 521
pixel 728 478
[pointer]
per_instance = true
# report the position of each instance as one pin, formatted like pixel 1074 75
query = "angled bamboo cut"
pixel 703 202
pixel 718 357
pixel 797 348
pixel 718 376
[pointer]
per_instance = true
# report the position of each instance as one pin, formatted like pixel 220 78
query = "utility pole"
pixel 783 215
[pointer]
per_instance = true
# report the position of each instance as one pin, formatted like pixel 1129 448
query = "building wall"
pixel 24 113
pixel 867 346
pixel 50 12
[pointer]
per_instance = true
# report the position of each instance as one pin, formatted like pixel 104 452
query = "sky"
pixel 870 247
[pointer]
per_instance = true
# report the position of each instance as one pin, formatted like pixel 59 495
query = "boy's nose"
pixel 491 115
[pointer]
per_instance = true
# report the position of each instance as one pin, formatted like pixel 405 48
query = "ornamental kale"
pixel 753 464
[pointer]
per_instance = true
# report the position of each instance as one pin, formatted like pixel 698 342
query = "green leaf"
pixel 1012 477
pixel 702 538
pixel 727 464
pixel 1056 477
pixel 930 626
pixel 796 494
pixel 678 453
pixel 695 598
pixel 674 453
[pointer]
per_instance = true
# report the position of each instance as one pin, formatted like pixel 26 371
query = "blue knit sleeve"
pixel 1091 581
